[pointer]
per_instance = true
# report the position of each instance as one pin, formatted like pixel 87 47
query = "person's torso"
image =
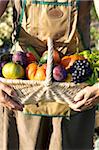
pixel 58 20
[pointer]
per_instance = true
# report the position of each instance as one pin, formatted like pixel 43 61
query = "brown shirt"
pixel 84 22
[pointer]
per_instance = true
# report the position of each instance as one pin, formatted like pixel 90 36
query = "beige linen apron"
pixel 54 19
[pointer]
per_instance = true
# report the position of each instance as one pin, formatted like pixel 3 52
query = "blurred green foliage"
pixel 94 16
pixel 94 29
pixel 6 26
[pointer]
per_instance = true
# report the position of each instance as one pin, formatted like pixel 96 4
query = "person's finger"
pixel 93 100
pixel 87 103
pixel 86 107
pixel 83 94
pixel 10 91
pixel 78 104
pixel 5 105
pixel 71 104
pixel 75 109
pixel 7 100
pixel 16 106
pixel 4 97
pixel 79 96
pixel 12 105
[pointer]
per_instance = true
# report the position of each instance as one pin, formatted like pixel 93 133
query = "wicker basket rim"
pixel 21 81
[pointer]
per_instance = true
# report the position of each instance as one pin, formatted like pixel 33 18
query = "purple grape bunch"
pixel 81 71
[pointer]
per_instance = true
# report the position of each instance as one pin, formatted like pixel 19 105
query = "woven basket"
pixel 32 92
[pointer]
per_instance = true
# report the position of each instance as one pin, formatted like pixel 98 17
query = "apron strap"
pixel 23 3
pixel 55 3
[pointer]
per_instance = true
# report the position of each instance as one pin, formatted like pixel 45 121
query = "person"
pixel 25 132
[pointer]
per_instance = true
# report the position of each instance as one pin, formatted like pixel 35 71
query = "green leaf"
pixel 34 52
pixel 85 53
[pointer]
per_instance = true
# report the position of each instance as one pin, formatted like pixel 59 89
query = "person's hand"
pixel 86 98
pixel 7 95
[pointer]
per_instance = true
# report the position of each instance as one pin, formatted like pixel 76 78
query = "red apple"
pixel 56 57
pixel 30 57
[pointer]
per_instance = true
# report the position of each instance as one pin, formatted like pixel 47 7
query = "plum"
pixel 20 58
pixel 59 73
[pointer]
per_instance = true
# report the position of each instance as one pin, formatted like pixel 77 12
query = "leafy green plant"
pixel 94 33
pixel 6 26
pixel 94 28
pixel 93 58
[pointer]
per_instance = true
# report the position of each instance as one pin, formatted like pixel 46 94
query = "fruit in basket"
pixel 30 57
pixel 65 61
pixel 44 66
pixel 68 78
pixel 44 57
pixel 59 73
pixel 12 70
pixel 40 74
pixel 34 52
pixel 31 70
pixel 56 56
pixel 81 71
pixel 1 66
pixel 34 72
pixel 20 58
pixel 68 61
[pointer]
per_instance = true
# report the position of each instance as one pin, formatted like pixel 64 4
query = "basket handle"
pixel 49 69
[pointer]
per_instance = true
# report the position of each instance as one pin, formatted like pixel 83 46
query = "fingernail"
pixel 12 106
pixel 79 110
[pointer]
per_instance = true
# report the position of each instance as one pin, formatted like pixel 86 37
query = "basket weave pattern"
pixel 32 91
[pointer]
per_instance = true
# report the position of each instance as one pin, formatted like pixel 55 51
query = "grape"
pixel 80 71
